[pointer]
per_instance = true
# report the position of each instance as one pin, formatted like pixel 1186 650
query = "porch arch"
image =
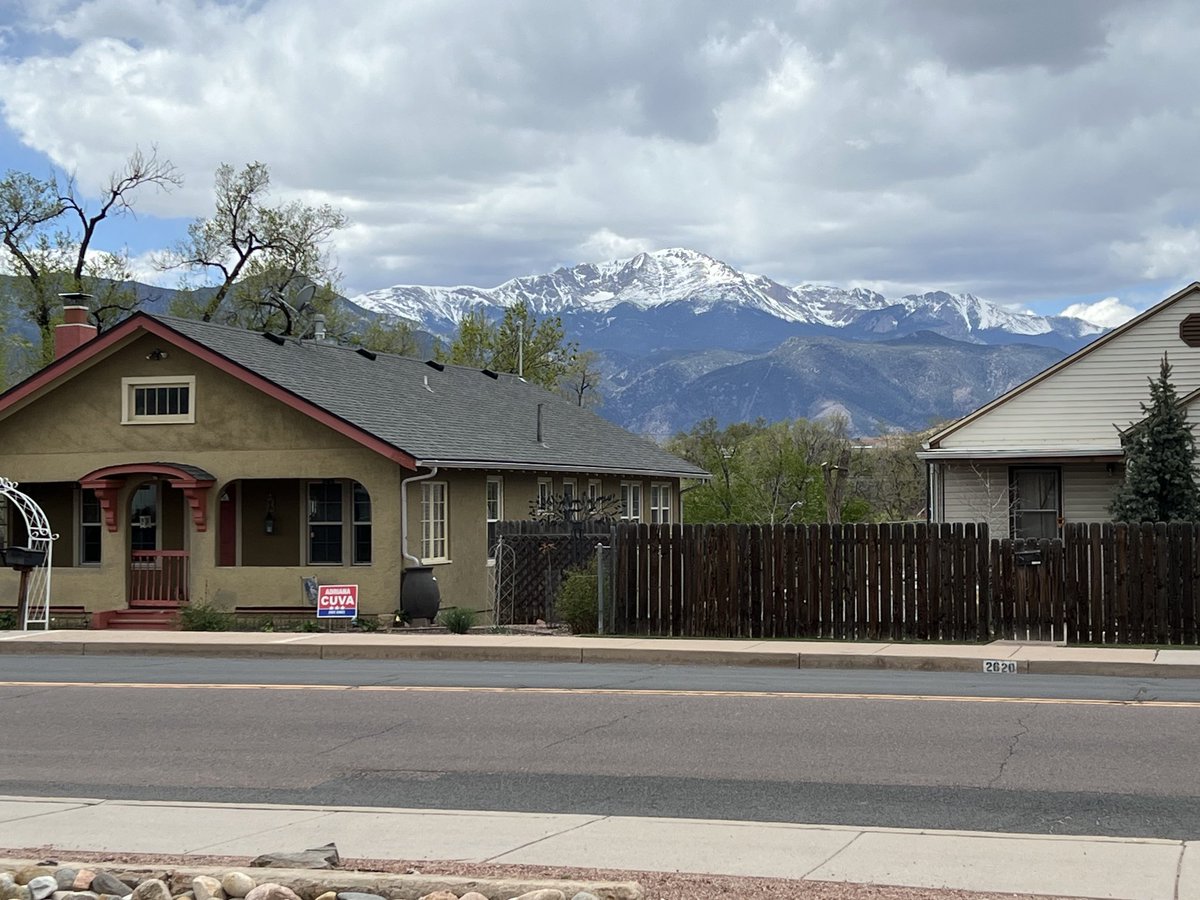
pixel 192 480
pixel 34 603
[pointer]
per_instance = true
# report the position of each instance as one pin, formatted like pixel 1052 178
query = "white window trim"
pixel 129 384
pixel 548 484
pixel 79 526
pixel 445 557
pixel 595 489
pixel 497 480
pixel 661 487
pixel 633 487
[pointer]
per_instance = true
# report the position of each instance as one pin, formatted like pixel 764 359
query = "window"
pixel 325 523
pixel 631 501
pixel 433 521
pixel 660 504
pixel 144 517
pixel 569 506
pixel 495 512
pixel 593 489
pixel 90 529
pixel 545 493
pixel 157 401
pixel 1036 501
pixel 362 525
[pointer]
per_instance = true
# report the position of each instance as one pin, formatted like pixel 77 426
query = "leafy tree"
pixel 891 477
pixel 396 336
pixel 48 231
pixel 1160 458
pixel 272 264
pixel 520 343
pixel 766 473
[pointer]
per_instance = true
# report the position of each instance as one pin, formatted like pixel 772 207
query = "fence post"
pixel 600 617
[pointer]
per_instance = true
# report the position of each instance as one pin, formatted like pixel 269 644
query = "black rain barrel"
pixel 419 594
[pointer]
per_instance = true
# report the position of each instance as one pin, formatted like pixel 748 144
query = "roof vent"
pixel 427 387
pixel 490 374
pixel 433 364
pixel 319 327
pixel 275 338
pixel 366 354
pixel 1189 330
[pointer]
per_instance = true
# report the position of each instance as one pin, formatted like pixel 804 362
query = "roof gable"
pixel 1078 403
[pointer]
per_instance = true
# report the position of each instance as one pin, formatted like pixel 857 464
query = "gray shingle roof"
pixel 455 416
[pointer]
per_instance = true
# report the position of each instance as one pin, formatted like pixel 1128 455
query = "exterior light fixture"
pixel 156 354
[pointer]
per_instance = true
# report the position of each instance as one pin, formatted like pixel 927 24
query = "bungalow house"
pixel 181 461
pixel 1049 451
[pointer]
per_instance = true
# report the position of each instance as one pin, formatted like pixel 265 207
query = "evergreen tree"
pixel 1160 454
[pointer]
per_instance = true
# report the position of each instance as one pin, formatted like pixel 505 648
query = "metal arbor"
pixel 35 579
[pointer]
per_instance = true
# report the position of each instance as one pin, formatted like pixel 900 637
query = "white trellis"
pixel 35 582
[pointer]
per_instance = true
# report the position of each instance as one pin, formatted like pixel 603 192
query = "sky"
pixel 1039 153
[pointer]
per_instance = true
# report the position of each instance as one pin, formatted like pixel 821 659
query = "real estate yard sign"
pixel 337 601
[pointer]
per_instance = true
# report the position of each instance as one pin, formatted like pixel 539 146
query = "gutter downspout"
pixel 404 512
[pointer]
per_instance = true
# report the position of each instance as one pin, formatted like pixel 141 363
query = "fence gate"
pixel 33 560
pixel 541 554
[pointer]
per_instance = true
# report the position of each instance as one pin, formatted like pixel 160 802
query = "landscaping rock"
pixel 42 887
pixel 27 874
pixel 543 894
pixel 186 895
pixel 271 891
pixel 359 895
pixel 473 895
pixel 205 887
pixel 6 879
pixel 584 895
pixel 83 879
pixel 236 884
pixel 328 895
pixel 152 889
pixel 436 895
pixel 107 883
pixel 314 858
pixel 14 892
pixel 65 879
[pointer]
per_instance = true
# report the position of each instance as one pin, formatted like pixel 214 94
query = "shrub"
pixel 8 620
pixel 577 605
pixel 202 617
pixel 457 620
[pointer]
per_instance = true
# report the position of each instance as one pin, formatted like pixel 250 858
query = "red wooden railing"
pixel 158 575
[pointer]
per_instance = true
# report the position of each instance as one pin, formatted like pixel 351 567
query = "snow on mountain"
pixel 687 280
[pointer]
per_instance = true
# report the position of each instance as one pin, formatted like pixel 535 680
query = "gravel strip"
pixel 658 885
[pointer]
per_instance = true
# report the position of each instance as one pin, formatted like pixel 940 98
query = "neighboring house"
pixel 1049 451
pixel 183 461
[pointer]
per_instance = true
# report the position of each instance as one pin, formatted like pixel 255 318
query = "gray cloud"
pixel 1020 150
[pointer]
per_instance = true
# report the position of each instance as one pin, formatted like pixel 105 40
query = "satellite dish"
pixel 305 294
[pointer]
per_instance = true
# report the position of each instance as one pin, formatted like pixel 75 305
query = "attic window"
pixel 158 401
pixel 1189 330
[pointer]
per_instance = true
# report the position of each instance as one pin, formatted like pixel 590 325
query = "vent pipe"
pixel 539 422
pixel 319 327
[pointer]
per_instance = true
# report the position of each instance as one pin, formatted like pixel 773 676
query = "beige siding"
pixel 1079 406
pixel 976 494
pixel 1088 492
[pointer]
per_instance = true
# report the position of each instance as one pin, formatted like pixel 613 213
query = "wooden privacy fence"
pixel 533 558
pixel 1110 584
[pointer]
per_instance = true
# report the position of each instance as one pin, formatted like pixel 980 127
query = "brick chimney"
pixel 75 331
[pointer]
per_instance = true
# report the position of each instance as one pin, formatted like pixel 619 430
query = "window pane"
pixel 1035 525
pixel 362 504
pixel 362 544
pixel 325 502
pixel 139 402
pixel 325 543
pixel 185 400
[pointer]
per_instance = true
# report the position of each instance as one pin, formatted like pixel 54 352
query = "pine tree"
pixel 1160 454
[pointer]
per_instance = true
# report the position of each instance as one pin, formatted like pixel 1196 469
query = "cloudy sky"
pixel 1042 153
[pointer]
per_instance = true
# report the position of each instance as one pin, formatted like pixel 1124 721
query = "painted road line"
pixel 606 692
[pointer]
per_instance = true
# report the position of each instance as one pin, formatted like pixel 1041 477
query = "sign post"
pixel 337 601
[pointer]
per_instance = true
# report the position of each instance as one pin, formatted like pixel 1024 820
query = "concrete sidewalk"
pixel 1042 659
pixel 1097 867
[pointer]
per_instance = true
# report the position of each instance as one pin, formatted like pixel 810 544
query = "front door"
pixel 158 562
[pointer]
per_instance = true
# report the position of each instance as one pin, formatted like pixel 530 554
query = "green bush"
pixel 577 605
pixel 202 617
pixel 457 620
pixel 8 620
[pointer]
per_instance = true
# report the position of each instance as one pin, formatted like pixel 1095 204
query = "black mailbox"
pixel 22 557
pixel 1029 557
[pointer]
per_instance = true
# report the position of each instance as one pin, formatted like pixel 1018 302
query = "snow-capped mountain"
pixel 683 299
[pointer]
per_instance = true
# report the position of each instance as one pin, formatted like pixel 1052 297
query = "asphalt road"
pixel 913 750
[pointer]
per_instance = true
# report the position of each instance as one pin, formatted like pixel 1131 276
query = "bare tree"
pixel 48 233
pixel 266 257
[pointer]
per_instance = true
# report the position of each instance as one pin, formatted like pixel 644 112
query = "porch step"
pixel 156 604
pixel 139 619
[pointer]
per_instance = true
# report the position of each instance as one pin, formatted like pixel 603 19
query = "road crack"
pixel 363 737
pixel 1012 749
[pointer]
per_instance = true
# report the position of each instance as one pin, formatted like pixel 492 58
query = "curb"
pixel 599 653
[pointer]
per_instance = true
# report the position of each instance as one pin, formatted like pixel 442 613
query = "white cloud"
pixel 472 141
pixel 1109 312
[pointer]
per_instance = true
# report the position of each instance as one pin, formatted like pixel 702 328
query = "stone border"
pixel 309 884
